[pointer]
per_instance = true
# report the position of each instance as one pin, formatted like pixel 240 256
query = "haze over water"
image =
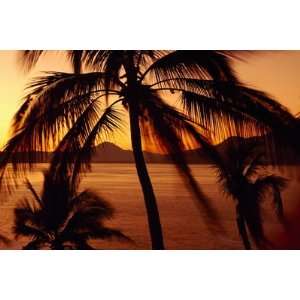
pixel 183 224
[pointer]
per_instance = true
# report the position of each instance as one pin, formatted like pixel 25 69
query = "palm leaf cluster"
pixel 62 218
pixel 175 100
pixel 209 97
pixel 244 178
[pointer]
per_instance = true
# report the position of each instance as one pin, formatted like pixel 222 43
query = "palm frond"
pixel 34 193
pixel 73 154
pixel 64 215
pixel 29 58
pixel 231 108
pixel 25 211
pixel 113 65
pixel 60 86
pixel 144 58
pixel 41 132
pixel 87 199
pixel 109 122
pixel 27 230
pixel 193 64
pixel 96 59
pixel 274 184
pixel 54 104
pixel 221 119
pixel 74 139
pixel 243 157
pixel 165 127
pixel 105 233
pixel 75 56
pixel 86 210
pixel 264 183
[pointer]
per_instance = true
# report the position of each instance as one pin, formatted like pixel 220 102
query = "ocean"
pixel 184 225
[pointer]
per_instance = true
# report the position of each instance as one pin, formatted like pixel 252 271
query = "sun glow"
pixel 276 72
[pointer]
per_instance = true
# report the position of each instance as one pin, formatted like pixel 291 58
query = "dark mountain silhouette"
pixel 111 153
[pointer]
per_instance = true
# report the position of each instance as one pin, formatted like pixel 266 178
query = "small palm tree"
pixel 62 218
pixel 243 178
pixel 173 98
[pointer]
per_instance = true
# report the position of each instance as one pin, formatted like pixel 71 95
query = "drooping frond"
pixel 105 233
pixel 74 138
pixel 59 86
pixel 274 184
pixel 88 211
pixel 57 96
pixel 109 122
pixel 166 127
pixel 96 59
pixel 29 58
pixel 36 197
pixel 53 105
pixel 243 157
pixel 193 64
pixel 113 65
pixel 24 229
pixel 75 56
pixel 228 108
pixel 25 211
pixel 74 152
pixel 88 198
pixel 65 217
pixel 265 183
pixel 104 60
pixel 28 221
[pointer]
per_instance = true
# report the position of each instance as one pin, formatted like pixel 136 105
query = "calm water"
pixel 182 222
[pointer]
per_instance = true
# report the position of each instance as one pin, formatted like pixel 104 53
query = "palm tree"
pixel 243 177
pixel 62 218
pixel 75 111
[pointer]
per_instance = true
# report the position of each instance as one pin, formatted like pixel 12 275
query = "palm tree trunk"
pixel 145 181
pixel 242 229
pixel 140 164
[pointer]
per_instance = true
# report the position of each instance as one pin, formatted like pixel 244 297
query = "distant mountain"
pixel 111 153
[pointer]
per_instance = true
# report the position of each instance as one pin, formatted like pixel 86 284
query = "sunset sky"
pixel 275 72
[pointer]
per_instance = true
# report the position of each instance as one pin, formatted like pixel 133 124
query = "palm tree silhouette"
pixel 74 111
pixel 62 218
pixel 243 177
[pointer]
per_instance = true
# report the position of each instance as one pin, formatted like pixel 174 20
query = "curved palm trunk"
pixel 140 164
pixel 144 178
pixel 242 229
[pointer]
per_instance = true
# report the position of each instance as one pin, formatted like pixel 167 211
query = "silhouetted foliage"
pixel 75 111
pixel 245 179
pixel 62 218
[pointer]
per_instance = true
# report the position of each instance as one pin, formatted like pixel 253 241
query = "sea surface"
pixel 184 225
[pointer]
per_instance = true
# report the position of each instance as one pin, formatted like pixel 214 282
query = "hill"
pixel 111 153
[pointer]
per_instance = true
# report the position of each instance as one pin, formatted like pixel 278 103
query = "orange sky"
pixel 275 72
